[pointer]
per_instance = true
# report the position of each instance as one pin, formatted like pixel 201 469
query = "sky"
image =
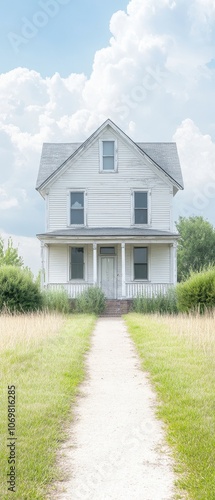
pixel 67 66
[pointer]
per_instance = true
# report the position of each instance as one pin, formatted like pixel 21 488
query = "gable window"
pixel 140 263
pixel 140 207
pixel 108 155
pixel 108 160
pixel 77 207
pixel 77 263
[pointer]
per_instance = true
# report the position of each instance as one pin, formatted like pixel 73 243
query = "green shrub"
pixel 198 292
pixel 18 292
pixel 160 303
pixel 91 301
pixel 56 300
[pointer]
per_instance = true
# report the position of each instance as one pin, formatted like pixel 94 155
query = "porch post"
pixel 42 276
pixel 95 263
pixel 174 263
pixel 174 251
pixel 123 270
pixel 46 264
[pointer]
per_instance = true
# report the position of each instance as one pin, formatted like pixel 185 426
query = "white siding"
pixel 109 193
pixel 160 264
pixel 161 208
pixel 58 264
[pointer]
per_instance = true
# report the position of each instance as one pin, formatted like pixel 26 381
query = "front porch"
pixel 123 265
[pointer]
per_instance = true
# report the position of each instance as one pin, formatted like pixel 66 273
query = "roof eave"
pixel 98 237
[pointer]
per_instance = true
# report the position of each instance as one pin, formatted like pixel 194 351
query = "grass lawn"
pixel 43 357
pixel 179 354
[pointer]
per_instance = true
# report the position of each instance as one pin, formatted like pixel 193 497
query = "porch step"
pixel 117 307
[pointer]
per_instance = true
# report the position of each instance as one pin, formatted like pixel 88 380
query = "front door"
pixel 108 277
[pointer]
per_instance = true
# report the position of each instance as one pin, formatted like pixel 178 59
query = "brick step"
pixel 117 307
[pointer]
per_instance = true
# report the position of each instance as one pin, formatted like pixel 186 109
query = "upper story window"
pixel 77 207
pixel 108 160
pixel 140 207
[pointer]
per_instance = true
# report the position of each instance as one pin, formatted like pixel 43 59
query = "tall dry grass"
pixel 196 329
pixel 28 329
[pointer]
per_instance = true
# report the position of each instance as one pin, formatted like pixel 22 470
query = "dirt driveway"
pixel 116 449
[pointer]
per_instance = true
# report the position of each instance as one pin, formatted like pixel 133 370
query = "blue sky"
pixel 66 66
pixel 67 42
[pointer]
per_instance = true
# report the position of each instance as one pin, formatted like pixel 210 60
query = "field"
pixel 179 355
pixel 42 361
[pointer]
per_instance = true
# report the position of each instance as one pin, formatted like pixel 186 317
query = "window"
pixel 107 250
pixel 77 207
pixel 108 155
pixel 140 263
pixel 140 207
pixel 77 263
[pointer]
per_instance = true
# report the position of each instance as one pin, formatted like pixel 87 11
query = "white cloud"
pixel 6 202
pixel 202 16
pixel 153 80
pixel 197 156
pixel 197 153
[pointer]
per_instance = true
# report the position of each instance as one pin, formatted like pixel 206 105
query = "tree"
pixel 9 256
pixel 196 248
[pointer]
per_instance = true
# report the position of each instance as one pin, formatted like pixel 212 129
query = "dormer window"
pixel 108 160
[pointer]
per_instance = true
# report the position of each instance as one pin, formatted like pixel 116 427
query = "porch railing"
pixel 146 289
pixel 72 289
pixel 132 289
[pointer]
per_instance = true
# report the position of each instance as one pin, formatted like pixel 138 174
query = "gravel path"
pixel 116 449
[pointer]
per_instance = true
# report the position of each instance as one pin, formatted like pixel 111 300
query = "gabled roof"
pixel 55 156
pixel 52 157
pixel 165 155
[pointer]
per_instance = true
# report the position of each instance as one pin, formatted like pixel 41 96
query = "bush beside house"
pixel 198 292
pixel 18 291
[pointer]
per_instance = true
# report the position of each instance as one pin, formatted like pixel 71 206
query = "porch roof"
pixel 96 232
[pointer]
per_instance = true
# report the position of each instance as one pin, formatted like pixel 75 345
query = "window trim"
pixel 84 191
pixel 77 280
pixel 144 280
pixel 101 141
pixel 107 254
pixel 141 190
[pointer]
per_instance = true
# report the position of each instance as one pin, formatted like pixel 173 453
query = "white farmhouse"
pixel 109 214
